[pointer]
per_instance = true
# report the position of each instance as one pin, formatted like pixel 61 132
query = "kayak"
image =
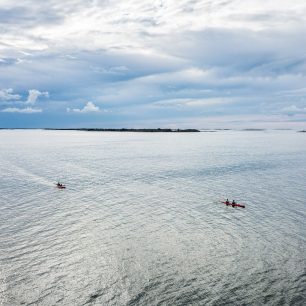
pixel 61 187
pixel 234 205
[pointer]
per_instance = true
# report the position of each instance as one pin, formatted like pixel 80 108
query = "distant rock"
pixel 253 130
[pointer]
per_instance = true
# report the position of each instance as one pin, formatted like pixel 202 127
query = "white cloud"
pixel 34 94
pixel 88 108
pixel 293 110
pixel 27 110
pixel 8 95
pixel 190 102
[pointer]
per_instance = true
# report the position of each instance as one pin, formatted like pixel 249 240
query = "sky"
pixel 164 63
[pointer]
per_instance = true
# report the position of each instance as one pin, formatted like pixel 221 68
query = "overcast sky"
pixel 163 63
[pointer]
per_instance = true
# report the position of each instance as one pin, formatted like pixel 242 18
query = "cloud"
pixel 293 110
pixel 27 110
pixel 150 59
pixel 8 95
pixel 192 102
pixel 88 108
pixel 34 94
pixel 28 17
pixel 93 25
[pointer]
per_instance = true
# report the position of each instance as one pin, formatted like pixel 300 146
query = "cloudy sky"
pixel 157 63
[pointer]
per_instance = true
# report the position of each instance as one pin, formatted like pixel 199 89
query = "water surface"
pixel 141 222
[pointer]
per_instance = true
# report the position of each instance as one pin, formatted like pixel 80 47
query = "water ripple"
pixel 141 221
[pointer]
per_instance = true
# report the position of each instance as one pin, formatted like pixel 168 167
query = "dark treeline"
pixel 130 130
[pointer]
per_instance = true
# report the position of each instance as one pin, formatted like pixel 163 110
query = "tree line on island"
pixel 129 130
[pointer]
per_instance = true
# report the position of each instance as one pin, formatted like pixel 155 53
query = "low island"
pixel 130 130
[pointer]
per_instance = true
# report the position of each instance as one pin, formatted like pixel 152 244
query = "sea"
pixel 141 221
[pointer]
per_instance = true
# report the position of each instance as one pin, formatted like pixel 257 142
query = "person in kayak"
pixel 227 202
pixel 59 184
pixel 234 202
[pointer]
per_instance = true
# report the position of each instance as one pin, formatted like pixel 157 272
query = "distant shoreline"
pixel 130 130
pixel 154 130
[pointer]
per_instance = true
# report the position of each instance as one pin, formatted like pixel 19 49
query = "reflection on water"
pixel 141 222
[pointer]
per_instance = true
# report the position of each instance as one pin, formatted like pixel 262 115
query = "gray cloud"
pixel 28 17
pixel 162 58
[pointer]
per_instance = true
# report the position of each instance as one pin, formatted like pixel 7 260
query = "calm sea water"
pixel 141 222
